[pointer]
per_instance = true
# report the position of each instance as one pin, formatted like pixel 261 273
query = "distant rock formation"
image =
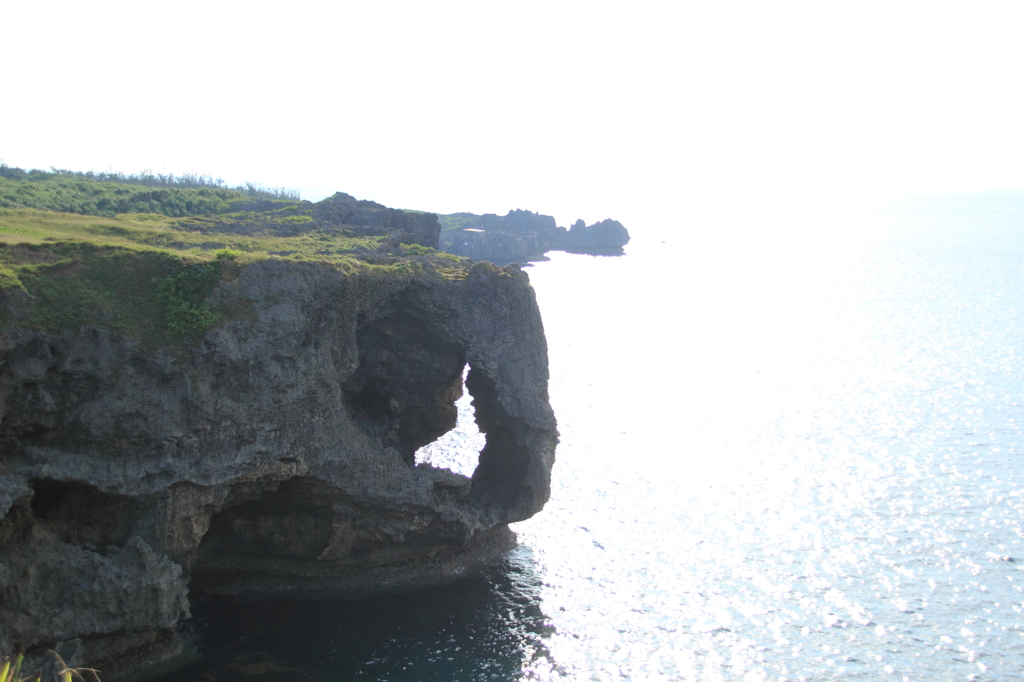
pixel 607 234
pixel 496 246
pixel 521 235
pixel 338 213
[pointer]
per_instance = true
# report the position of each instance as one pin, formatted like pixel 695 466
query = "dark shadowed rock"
pixel 272 456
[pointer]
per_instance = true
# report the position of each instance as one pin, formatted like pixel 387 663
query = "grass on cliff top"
pixel 108 194
pixel 155 231
pixel 145 276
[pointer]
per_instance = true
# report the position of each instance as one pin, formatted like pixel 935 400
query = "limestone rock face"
pixel 275 454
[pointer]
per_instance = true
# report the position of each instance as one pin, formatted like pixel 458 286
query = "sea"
pixel 791 450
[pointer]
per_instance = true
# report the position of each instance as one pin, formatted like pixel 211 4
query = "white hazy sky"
pixel 576 109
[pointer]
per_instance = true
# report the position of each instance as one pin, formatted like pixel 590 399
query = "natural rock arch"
pixel 273 455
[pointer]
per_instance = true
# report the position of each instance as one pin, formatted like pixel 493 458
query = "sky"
pixel 591 110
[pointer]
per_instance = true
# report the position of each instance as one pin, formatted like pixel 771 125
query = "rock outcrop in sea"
pixel 522 235
pixel 273 455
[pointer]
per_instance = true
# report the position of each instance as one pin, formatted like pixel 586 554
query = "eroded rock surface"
pixel 276 454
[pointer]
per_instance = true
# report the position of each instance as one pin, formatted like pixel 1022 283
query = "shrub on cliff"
pixel 146 294
pixel 112 193
pixel 184 294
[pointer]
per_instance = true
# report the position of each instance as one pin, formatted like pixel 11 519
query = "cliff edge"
pixel 270 453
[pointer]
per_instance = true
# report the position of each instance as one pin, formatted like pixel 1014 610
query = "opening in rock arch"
pixel 459 449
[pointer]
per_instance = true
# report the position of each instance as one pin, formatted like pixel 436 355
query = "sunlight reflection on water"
pixel 458 449
pixel 786 463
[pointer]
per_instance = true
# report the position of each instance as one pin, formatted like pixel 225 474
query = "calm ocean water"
pixel 789 453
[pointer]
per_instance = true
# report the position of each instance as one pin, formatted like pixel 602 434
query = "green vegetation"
pixel 149 179
pixel 79 250
pixel 458 221
pixel 452 223
pixel 198 235
pixel 184 293
pixel 71 193
pixel 10 671
pixel 145 293
pixel 416 249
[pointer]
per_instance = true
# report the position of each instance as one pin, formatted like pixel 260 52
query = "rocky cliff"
pixel 370 218
pixel 521 235
pixel 606 236
pixel 275 454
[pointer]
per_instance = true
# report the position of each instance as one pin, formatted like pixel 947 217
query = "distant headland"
pixel 200 204
pixel 522 235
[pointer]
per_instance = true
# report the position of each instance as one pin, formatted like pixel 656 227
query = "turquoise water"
pixel 789 451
